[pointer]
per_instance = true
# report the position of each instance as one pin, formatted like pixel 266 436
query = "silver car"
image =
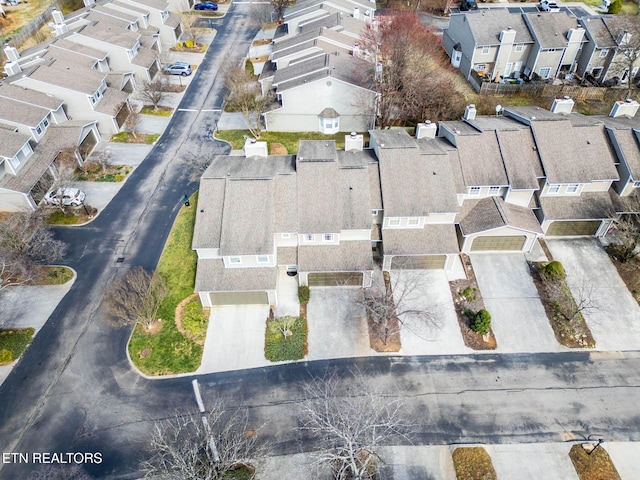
pixel 69 197
pixel 177 68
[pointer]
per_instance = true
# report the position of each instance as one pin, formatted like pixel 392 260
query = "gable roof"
pixel 212 275
pixel 625 134
pixel 597 30
pixel 11 142
pixel 550 29
pixel 29 96
pixel 572 154
pixel 69 76
pixel 486 25
pixel 20 113
pixel 587 206
pixel 493 212
pixel 433 239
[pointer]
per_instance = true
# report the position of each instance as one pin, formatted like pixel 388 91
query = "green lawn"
pixel 14 341
pixel 593 466
pixel 628 7
pixel 168 351
pixel 160 111
pixel 288 139
pixel 473 463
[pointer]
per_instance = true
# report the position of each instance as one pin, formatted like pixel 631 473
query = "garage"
pixel 510 242
pixel 418 262
pixel 332 279
pixel 568 228
pixel 239 298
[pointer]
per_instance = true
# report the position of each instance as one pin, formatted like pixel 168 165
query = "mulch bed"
pixel 556 298
pixel 472 302
pixel 179 314
pixel 629 271
pixel 592 462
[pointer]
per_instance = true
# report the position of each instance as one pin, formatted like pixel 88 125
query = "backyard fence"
pixel 544 90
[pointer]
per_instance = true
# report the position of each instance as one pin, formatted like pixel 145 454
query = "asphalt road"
pixel 74 390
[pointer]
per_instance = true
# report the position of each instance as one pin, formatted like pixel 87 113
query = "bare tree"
pixel 626 56
pixel 246 97
pixel 132 120
pixel 154 91
pixel 626 230
pixel 190 30
pixel 279 6
pixel 136 297
pixel 409 68
pixel 400 298
pixel 26 243
pixel 583 302
pixel 350 418
pixel 64 179
pixel 259 14
pixel 203 447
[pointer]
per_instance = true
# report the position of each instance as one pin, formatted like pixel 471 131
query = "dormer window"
pixel 572 188
pixel 486 50
pixel 553 189
pixel 235 260
pixel 494 190
pixel 518 47
pixel 604 52
pixel 475 191
pixel 328 237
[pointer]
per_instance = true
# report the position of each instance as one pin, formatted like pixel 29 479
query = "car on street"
pixel 466 5
pixel 68 196
pixel 206 6
pixel 177 68
pixel 548 6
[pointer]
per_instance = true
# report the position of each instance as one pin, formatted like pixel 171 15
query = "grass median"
pixel 168 351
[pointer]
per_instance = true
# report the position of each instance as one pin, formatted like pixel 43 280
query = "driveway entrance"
pixel 614 322
pixel 518 318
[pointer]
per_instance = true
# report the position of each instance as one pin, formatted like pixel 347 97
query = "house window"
pixel 604 52
pixel 572 188
pixel 39 130
pixel 507 69
pixel 636 184
pixel 544 72
pixel 286 235
pixel 394 222
pixel 550 50
pixel 328 237
pixel 553 189
pixel 375 212
pixel 235 260
pixel 309 237
pixel 494 190
pixel 331 125
pixel 474 191
pixel 263 258
pixel 413 221
pixel 45 122
pixel 596 72
pixel 485 50
pixel 26 150
pixel 518 47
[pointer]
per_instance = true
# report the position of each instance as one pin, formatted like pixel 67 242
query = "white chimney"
pixel 562 105
pixel 470 112
pixel 356 12
pixel 624 38
pixel 11 53
pixel 508 36
pixel 60 29
pixel 58 18
pixel 628 108
pixel 252 148
pixel 426 130
pixel 353 141
pixel 88 3
pixel 12 68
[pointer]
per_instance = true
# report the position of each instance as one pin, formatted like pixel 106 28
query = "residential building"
pixel 623 130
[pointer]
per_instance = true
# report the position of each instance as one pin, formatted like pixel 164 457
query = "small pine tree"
pixel 481 323
pixel 303 294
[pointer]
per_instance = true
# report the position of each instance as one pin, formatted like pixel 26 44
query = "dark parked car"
pixel 206 6
pixel 466 5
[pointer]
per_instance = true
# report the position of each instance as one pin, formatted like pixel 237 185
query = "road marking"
pixel 196 390
pixel 214 110
pixel 188 110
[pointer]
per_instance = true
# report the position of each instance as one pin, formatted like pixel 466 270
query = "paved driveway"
pixel 337 325
pixel 615 323
pixel 235 338
pixel 427 291
pixel 518 318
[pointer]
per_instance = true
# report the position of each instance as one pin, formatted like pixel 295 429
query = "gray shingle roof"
pixel 486 25
pixel 110 32
pixel 574 154
pixel 21 113
pixel 415 184
pixel 69 76
pixel 521 160
pixel 493 212
pixel 61 43
pixel 11 142
pixel 28 96
pixel 392 138
pixel 598 31
pixel 212 276
pixel 629 144
pixel 111 101
pixel 480 160
pixel 433 239
pixel 588 206
pixel 248 220
pixel 551 29
pixel 347 257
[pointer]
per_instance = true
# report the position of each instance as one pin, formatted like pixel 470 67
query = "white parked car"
pixel 69 197
pixel 548 6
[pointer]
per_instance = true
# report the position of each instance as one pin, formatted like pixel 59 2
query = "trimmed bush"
pixel 5 356
pixel 481 322
pixel 189 43
pixel 304 294
pixel 194 320
pixel 553 271
pixel 615 7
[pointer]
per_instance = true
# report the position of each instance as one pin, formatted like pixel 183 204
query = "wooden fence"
pixel 544 90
